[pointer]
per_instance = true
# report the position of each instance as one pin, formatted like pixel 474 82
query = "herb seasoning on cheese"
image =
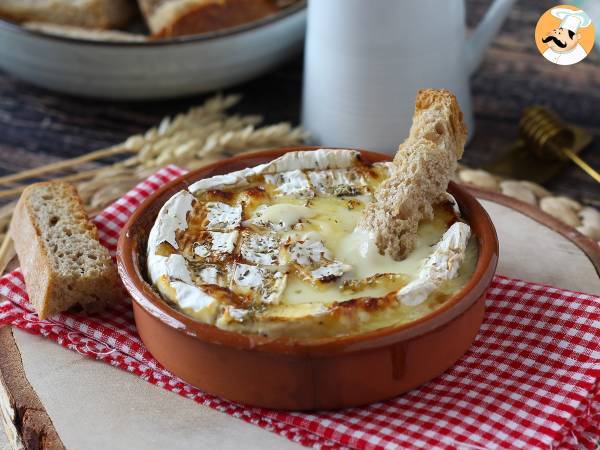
pixel 275 250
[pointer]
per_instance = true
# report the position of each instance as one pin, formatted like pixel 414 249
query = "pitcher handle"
pixel 480 39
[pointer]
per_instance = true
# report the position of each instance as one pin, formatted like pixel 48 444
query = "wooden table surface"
pixel 122 411
pixel 38 126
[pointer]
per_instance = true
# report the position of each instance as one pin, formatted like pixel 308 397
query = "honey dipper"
pixel 545 144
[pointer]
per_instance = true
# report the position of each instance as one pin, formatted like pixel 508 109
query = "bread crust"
pixel 167 18
pixel 33 258
pixel 422 168
pixel 98 14
pixel 52 289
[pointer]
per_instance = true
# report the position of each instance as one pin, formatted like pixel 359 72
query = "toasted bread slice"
pixel 422 168
pixel 61 258
pixel 101 14
pixel 183 17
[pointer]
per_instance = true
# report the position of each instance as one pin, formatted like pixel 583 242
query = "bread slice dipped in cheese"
pixel 419 177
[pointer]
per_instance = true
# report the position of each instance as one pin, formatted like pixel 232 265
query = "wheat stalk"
pixel 200 136
pixel 197 137
pixel 186 139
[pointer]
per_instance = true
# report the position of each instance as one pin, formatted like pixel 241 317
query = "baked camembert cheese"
pixel 275 250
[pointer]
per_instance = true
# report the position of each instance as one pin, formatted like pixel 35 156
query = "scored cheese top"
pixel 274 250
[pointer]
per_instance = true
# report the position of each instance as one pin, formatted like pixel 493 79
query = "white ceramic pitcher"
pixel 365 60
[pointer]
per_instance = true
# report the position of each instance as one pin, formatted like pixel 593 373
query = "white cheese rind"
pixel 187 294
pixel 224 242
pixel 309 252
pixel 333 269
pixel 387 166
pixel 191 296
pixel 231 314
pixel 222 217
pixel 454 203
pixel 268 286
pixel 272 292
pixel 293 183
pixel 176 268
pixel 441 266
pixel 173 267
pixel 280 216
pixel 320 159
pixel 246 275
pixel 213 245
pixel 218 242
pixel 262 249
pixel 156 265
pixel 209 275
pixel 201 250
pixel 171 218
pixel 313 254
pixel 325 182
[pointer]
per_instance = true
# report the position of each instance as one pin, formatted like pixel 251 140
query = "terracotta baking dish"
pixel 320 374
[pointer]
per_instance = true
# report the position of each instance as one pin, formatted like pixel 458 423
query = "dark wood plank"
pixel 31 422
pixel 38 126
pixel 514 76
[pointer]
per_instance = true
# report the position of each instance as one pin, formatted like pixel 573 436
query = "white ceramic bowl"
pixel 155 69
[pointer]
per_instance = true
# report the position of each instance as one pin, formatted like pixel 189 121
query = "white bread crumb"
pixel 422 168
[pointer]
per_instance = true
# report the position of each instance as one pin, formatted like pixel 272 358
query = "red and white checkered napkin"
pixel 530 380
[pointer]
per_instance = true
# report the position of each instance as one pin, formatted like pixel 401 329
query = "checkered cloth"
pixel 530 380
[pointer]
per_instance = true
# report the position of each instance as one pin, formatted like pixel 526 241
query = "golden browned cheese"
pixel 422 169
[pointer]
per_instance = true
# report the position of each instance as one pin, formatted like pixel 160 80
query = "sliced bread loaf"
pixel 423 166
pixel 61 258
pixel 83 13
pixel 167 18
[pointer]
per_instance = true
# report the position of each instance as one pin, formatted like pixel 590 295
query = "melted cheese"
pixel 335 225
pixel 280 216
pixel 298 253
pixel 360 251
